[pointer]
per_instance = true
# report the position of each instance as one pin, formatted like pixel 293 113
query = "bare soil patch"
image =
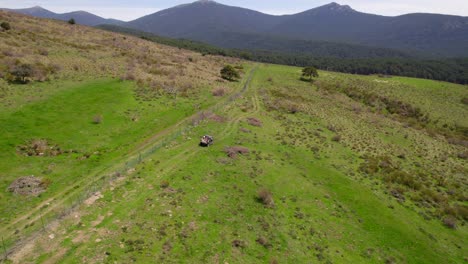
pixel 91 200
pixel 28 185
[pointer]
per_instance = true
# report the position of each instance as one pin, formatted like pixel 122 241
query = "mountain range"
pixel 430 35
pixel 80 17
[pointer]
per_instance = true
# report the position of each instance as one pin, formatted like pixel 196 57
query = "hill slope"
pixel 345 169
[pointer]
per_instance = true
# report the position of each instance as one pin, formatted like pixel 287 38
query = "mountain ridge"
pixel 434 35
pixel 208 21
pixel 80 16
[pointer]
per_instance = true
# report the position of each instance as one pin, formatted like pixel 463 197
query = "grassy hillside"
pixel 347 169
pixel 325 55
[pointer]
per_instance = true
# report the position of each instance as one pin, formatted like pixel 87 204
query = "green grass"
pixel 64 117
pixel 325 209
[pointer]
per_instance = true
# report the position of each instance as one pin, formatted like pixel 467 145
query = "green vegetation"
pixel 5 26
pixel 71 21
pixel 345 169
pixel 309 72
pixel 229 73
pixel 450 70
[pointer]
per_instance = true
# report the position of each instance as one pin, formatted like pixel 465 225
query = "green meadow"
pixel 188 204
pixel 340 169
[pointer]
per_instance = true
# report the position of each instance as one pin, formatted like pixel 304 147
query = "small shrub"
pixel 292 108
pixel 45 183
pixel 265 197
pixel 238 243
pixel 463 155
pixel 5 26
pixel 450 222
pixel 336 138
pixel 464 101
pixel 232 152
pixel 263 241
pixel 71 21
pixel 229 73
pixel 309 72
pixel 97 119
pixel 220 91
pixel 254 122
pixel 43 52
pixel 164 184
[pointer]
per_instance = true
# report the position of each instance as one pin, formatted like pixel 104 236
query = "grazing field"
pixel 344 169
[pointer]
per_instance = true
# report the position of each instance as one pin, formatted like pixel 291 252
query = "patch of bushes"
pixel 23 72
pixel 39 147
pixel 5 26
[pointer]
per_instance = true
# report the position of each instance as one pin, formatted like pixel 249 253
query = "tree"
pixel 71 21
pixel 309 72
pixel 5 25
pixel 229 73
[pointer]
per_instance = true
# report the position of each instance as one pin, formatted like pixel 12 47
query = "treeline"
pixel 450 70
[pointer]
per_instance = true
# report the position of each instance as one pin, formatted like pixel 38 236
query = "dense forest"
pixel 451 70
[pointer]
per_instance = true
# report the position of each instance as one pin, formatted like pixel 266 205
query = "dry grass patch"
pixel 220 91
pixel 39 147
pixel 232 152
pixel 254 122
pixel 265 197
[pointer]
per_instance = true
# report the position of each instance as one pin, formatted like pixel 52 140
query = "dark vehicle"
pixel 206 141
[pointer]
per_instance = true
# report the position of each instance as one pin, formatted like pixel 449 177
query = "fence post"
pixel 42 222
pixel 4 249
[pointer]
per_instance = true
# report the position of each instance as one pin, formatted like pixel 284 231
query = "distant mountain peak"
pixel 333 6
pixel 205 2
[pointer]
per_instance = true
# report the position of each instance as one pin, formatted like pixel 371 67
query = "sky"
pixel 129 10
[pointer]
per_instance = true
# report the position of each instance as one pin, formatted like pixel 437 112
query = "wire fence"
pixel 70 201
